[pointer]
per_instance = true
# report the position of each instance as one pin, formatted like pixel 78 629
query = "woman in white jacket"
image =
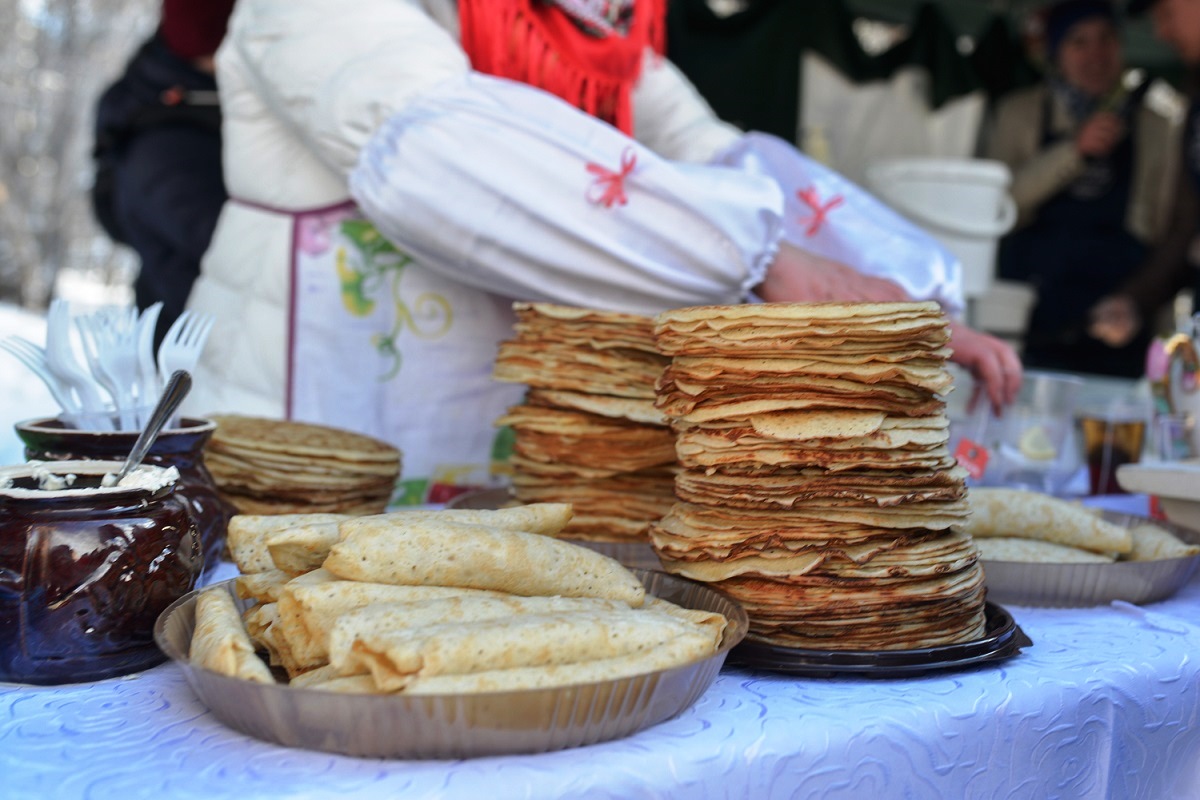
pixel 348 119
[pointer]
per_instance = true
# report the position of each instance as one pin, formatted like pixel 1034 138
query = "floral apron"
pixel 380 345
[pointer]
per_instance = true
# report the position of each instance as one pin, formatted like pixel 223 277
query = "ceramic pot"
pixel 85 570
pixel 181 447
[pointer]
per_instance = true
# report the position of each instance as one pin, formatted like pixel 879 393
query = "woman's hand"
pixel 797 276
pixel 992 362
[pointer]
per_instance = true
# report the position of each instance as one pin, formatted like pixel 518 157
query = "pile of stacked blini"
pixel 437 602
pixel 587 432
pixel 817 488
pixel 266 466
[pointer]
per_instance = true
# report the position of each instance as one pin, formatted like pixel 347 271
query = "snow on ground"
pixel 22 394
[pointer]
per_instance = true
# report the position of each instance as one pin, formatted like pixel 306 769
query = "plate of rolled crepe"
pixel 1039 550
pixel 442 634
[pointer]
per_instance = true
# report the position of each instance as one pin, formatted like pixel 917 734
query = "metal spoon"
pixel 179 384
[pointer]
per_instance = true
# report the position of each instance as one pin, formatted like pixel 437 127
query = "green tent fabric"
pixel 932 43
pixel 1000 60
pixel 747 65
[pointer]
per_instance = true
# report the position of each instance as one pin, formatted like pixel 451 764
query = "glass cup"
pixel 1029 445
pixel 1111 435
pixel 1171 437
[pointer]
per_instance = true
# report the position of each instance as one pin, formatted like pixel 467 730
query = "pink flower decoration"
pixel 315 234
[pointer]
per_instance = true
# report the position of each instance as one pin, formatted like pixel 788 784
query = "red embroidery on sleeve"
pixel 608 188
pixel 819 212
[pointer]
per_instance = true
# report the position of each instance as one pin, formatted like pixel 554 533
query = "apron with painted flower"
pixel 379 345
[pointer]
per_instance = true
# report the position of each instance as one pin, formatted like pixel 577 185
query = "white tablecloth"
pixel 1105 704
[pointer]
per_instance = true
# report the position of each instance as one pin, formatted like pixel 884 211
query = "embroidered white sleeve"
pixel 827 214
pixel 509 189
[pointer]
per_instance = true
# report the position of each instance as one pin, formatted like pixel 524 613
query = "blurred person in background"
pixel 159 186
pixel 1172 265
pixel 400 172
pixel 1094 166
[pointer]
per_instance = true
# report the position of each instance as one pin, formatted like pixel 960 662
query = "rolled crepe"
pixel 1152 543
pixel 352 684
pixel 262 625
pixel 308 610
pixel 1030 515
pixel 320 674
pixel 302 548
pixel 220 642
pixel 361 624
pixel 712 622
pixel 1011 548
pixel 476 557
pixel 395 658
pixel 305 543
pixel 544 518
pixel 261 587
pixel 247 536
pixel 674 653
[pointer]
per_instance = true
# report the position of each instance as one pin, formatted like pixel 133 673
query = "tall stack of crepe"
pixel 266 466
pixel 587 432
pixel 817 487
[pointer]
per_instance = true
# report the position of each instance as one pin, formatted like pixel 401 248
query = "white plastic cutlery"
pixel 64 365
pixel 34 357
pixel 149 384
pixel 110 344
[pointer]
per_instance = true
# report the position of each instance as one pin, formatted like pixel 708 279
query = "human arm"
pixel 1116 318
pixel 992 362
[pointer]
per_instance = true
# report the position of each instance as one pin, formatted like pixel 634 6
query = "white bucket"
pixel 963 202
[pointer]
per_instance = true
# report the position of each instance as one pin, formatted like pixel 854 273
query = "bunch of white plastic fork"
pixel 123 378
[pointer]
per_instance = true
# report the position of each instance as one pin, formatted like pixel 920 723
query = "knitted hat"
pixel 194 28
pixel 1065 15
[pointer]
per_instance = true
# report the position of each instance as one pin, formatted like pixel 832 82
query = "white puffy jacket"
pixel 374 100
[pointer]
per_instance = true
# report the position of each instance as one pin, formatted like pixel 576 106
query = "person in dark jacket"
pixel 159 187
pixel 1170 266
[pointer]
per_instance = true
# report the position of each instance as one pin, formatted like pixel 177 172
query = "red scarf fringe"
pixel 537 43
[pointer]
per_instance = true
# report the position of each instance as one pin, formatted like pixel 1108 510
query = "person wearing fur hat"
pixel 159 186
pixel 1094 167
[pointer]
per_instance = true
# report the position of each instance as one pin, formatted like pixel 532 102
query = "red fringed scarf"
pixel 535 42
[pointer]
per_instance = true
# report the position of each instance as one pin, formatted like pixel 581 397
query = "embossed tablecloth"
pixel 1105 704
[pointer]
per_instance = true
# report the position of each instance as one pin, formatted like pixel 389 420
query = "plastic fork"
pixel 34 357
pixel 110 345
pixel 149 384
pixel 63 364
pixel 183 344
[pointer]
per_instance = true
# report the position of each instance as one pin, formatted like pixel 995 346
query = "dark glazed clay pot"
pixel 86 570
pixel 181 447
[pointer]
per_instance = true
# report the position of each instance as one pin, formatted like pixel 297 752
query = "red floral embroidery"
pixel 609 187
pixel 819 212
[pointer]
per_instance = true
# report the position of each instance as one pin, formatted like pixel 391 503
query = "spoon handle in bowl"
pixel 179 384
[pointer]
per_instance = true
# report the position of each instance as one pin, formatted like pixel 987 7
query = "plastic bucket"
pixel 964 203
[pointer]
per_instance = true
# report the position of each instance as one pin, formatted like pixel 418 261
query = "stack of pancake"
pixel 267 466
pixel 588 433
pixel 817 486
